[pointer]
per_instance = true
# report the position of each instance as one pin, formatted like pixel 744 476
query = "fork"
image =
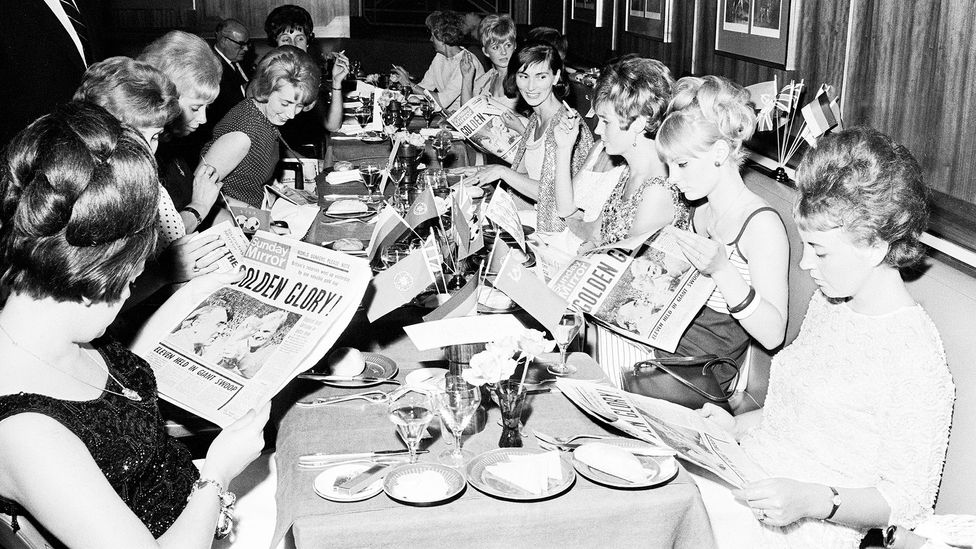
pixel 561 441
pixel 370 396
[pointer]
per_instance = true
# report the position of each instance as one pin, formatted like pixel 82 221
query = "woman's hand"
pixel 403 76
pixel 512 121
pixel 192 256
pixel 782 501
pixel 718 416
pixel 206 188
pixel 467 65
pixel 566 132
pixel 490 174
pixel 236 446
pixel 340 67
pixel 707 255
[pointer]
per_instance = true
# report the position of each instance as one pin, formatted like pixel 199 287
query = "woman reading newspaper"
pixel 83 450
pixel 536 71
pixel 856 423
pixel 498 42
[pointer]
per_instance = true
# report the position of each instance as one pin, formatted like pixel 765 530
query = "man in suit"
pixel 231 47
pixel 45 47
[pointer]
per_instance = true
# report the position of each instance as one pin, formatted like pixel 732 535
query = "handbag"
pixel 689 381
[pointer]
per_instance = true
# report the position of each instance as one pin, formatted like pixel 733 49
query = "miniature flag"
pixel 822 113
pixel 397 285
pixel 531 293
pixel 462 303
pixel 433 255
pixel 423 209
pixel 789 96
pixel 461 231
pixel 389 227
pixel 389 164
pixel 502 210
pixel 763 96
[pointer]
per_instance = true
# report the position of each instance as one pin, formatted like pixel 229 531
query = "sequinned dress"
pixel 618 211
pixel 247 180
pixel 151 471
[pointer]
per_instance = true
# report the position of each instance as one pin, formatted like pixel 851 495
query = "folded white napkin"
pixel 592 189
pixel 340 177
pixel 421 486
pixel 613 460
pixel 531 473
pixel 299 218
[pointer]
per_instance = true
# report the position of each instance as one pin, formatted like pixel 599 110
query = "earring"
pixel 634 144
pixel 717 163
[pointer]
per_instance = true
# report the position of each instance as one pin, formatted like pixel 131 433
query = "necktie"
pixel 75 17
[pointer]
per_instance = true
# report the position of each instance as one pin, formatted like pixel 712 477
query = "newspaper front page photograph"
pixel 481 123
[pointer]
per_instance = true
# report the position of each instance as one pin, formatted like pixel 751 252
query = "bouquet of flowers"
pixel 410 138
pixel 386 96
pixel 500 358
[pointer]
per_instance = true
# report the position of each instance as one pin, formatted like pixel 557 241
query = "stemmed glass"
pixel 564 333
pixel 406 113
pixel 442 146
pixel 427 110
pixel 456 405
pixel 363 114
pixel 411 410
pixel 371 175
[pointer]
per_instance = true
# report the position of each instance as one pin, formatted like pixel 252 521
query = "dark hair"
pixel 552 37
pixel 286 64
pixel 635 86
pixel 864 182
pixel 530 54
pixel 78 206
pixel 288 18
pixel 136 93
pixel 446 26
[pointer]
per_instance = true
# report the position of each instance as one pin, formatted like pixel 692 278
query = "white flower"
pixel 489 367
pixel 505 346
pixel 533 343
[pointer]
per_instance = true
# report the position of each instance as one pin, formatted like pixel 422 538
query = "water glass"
pixel 411 410
pixel 371 175
pixel 393 253
pixel 457 404
pixel 564 333
pixel 427 110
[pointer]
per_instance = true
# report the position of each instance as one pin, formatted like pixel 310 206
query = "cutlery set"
pixel 325 459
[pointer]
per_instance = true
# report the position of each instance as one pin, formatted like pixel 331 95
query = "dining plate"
pixel 326 481
pixel 664 469
pixel 375 138
pixel 351 215
pixel 489 484
pixel 423 484
pixel 377 366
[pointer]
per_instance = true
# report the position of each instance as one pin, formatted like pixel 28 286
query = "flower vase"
pixel 409 155
pixel 511 398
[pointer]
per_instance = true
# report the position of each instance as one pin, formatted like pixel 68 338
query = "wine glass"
pixel 564 333
pixel 406 113
pixel 456 405
pixel 427 110
pixel 411 410
pixel 363 114
pixel 393 253
pixel 370 173
pixel 442 146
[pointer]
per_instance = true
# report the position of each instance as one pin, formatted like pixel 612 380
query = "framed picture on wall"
pixel 763 31
pixel 652 18
pixel 590 11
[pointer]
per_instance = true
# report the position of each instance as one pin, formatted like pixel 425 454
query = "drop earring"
pixel 717 163
pixel 634 144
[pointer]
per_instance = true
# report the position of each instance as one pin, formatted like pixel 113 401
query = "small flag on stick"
pixel 462 303
pixel 397 285
pixel 530 292
pixel 423 209
pixel 389 227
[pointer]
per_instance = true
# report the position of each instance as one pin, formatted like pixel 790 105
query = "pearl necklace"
pixel 127 393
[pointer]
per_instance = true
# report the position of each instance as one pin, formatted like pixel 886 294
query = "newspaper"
pixel 645 290
pixel 221 349
pixel 660 422
pixel 481 122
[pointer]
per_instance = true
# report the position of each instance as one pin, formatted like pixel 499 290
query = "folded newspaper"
pixel 642 288
pixel 480 121
pixel 220 349
pixel 660 422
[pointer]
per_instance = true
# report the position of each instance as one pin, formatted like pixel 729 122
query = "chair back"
pixel 28 535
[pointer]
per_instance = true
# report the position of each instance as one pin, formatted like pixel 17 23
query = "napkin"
pixel 340 177
pixel 431 132
pixel 351 206
pixel 421 486
pixel 531 472
pixel 613 460
pixel 299 218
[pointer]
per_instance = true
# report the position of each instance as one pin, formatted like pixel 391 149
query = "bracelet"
pixel 193 211
pixel 745 302
pixel 750 308
pixel 225 520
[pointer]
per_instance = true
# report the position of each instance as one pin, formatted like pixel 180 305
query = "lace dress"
pixel 619 212
pixel 151 471
pixel 857 401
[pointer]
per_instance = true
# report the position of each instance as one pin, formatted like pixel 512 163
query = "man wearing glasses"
pixel 231 46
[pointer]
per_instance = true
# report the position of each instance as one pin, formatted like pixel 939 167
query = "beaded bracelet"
pixel 745 302
pixel 225 520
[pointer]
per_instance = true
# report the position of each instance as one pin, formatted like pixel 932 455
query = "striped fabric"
pixel 74 15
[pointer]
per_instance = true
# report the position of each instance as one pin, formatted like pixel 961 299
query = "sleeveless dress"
pixel 151 471
pixel 246 181
pixel 618 212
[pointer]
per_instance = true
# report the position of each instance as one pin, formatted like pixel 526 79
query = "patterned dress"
pixel 618 212
pixel 152 472
pixel 246 181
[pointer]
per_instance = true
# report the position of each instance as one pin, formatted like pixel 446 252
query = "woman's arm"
pixel 784 501
pixel 227 152
pixel 516 180
pixel 565 133
pixel 656 210
pixel 467 76
pixel 340 68
pixel 206 189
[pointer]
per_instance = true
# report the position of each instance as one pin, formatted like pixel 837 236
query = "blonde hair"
pixel 496 29
pixel 136 93
pixel 704 110
pixel 286 64
pixel 188 61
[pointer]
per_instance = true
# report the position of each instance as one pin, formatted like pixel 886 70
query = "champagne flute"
pixel 370 173
pixel 411 410
pixel 457 405
pixel 427 109
pixel 564 333
pixel 363 115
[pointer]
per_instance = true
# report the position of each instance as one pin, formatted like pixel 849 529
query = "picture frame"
pixel 588 11
pixel 650 18
pixel 762 31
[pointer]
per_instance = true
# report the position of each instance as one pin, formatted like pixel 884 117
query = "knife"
pixel 331 378
pixel 320 456
pixel 650 451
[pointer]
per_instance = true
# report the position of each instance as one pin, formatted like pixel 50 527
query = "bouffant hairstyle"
pixel 188 61
pixel 552 37
pixel 446 26
pixel 288 18
pixel 530 54
pixel 703 111
pixel 635 86
pixel 136 93
pixel 864 182
pixel 286 65
pixel 496 29
pixel 78 206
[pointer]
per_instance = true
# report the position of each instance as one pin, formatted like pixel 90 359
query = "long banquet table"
pixel 586 515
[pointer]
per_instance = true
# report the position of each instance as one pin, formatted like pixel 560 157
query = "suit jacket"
pixel 41 60
pixel 231 83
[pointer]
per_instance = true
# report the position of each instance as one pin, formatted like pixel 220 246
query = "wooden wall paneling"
pixel 589 44
pixel 548 13
pixel 331 17
pixel 677 54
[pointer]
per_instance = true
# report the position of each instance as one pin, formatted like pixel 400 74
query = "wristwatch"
pixel 835 501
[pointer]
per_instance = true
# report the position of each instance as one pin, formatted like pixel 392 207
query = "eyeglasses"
pixel 240 44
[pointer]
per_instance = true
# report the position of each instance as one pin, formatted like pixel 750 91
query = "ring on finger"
pixel 761 515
